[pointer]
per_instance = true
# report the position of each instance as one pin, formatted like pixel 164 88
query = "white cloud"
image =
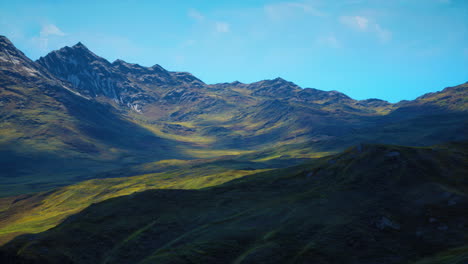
pixel 222 27
pixel 306 8
pixel 196 15
pixel 48 32
pixel 51 30
pixel 284 10
pixel 383 34
pixel 355 22
pixel 188 43
pixel 329 41
pixel 364 24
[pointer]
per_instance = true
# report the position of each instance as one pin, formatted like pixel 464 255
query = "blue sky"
pixel 388 49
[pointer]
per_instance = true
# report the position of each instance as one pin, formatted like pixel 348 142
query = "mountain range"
pixel 73 107
pixel 232 172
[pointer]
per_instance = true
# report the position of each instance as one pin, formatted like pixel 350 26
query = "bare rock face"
pixel 90 74
pixel 125 83
pixel 15 65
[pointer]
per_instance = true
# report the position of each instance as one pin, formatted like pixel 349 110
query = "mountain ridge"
pixel 194 119
pixel 234 83
pixel 270 88
pixel 269 82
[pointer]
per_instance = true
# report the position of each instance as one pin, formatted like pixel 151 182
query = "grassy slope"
pixel 58 142
pixel 33 213
pixel 38 212
pixel 265 123
pixel 370 204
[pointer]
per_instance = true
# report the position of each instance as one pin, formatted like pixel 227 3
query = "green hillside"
pixel 33 213
pixel 369 204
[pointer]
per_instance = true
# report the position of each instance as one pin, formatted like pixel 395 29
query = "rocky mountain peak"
pixel 90 74
pixel 312 95
pixel 126 66
pixel 280 82
pixel 138 71
pixel 157 66
pixel 128 84
pixel 14 64
pixel 78 53
pixel 120 62
pixel 187 79
pixel 80 48
pixel 4 41
pixel 79 45
pixel 277 88
pixel 8 50
pixel 279 79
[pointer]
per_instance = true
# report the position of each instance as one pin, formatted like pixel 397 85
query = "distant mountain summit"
pixel 122 82
pixel 276 88
pixel 14 64
pixel 89 73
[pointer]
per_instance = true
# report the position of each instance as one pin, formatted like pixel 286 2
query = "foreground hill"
pixel 370 204
pixel 34 213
